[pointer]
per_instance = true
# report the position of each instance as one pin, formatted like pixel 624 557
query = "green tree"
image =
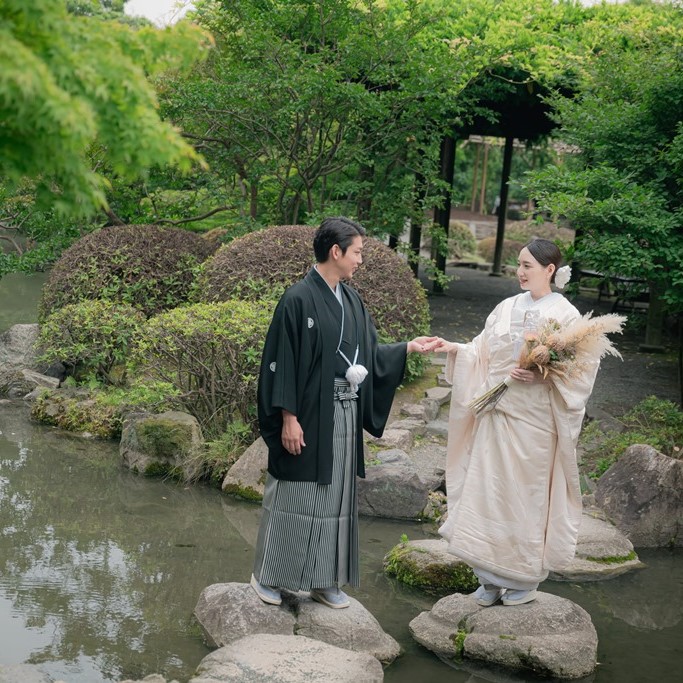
pixel 623 190
pixel 339 105
pixel 69 82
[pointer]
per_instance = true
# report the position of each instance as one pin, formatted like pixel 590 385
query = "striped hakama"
pixel 308 536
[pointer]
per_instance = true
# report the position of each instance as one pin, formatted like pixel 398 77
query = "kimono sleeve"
pixel 278 387
pixel 575 390
pixel 388 367
pixel 473 354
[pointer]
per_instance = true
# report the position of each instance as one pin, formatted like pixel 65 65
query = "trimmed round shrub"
pixel 461 241
pixel 211 354
pixel 262 264
pixel 511 250
pixel 146 266
pixel 528 230
pixel 91 338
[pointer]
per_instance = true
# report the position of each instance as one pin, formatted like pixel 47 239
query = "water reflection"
pixel 19 297
pixel 100 571
pixel 649 599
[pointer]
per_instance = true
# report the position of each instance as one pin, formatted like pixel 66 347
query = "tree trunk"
pixel 655 321
pixel 475 173
pixel 484 173
pixel 416 223
pixel 253 200
pixel 503 207
pixel 442 216
pixel 365 176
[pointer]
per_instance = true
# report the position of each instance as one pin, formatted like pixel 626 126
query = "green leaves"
pixel 623 191
pixel 69 81
pixel 91 338
pixel 210 353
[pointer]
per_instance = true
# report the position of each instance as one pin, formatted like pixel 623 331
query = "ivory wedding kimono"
pixel 514 503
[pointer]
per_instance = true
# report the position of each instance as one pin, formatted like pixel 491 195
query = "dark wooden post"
pixel 655 321
pixel 442 216
pixel 503 207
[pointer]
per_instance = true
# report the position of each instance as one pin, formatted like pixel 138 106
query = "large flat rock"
pixel 286 659
pixel 227 612
pixel 602 552
pixel 550 637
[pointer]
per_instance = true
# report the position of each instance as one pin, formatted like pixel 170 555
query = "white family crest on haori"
pixel 310 323
pixel 272 366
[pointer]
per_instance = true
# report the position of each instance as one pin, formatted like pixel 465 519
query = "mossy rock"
pixel 164 437
pixel 428 565
pixel 168 444
pixel 245 492
pixel 77 411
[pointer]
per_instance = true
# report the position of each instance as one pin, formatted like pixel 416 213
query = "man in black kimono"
pixel 324 378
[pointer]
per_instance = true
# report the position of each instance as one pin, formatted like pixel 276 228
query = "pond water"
pixel 100 569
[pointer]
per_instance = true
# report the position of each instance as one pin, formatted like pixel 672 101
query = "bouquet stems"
pixel 488 400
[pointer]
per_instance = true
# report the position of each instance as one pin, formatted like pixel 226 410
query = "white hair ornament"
pixel 562 276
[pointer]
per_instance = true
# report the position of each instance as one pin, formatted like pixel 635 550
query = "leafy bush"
pixel 146 266
pixel 210 353
pixel 142 395
pixel 528 230
pixel 264 263
pixel 461 241
pixel 222 453
pixel 91 338
pixel 511 250
pixel 653 421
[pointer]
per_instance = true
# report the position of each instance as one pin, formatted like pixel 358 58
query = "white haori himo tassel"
pixel 356 373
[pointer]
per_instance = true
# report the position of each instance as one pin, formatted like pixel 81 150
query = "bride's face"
pixel 531 274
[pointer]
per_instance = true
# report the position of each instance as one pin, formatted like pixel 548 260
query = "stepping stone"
pixel 286 659
pixel 549 637
pixel 602 552
pixel 227 612
pixel 427 564
pixel 440 394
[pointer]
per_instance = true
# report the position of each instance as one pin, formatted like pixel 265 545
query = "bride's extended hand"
pixel 421 344
pixel 442 346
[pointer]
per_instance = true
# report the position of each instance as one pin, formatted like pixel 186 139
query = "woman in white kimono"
pixel 514 503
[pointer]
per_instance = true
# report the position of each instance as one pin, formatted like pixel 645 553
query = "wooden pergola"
pixel 507 105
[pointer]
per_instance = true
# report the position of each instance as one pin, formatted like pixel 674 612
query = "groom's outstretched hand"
pixel 421 344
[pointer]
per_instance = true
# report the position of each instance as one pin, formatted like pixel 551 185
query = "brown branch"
pixel 17 248
pixel 204 138
pixel 113 218
pixel 196 218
